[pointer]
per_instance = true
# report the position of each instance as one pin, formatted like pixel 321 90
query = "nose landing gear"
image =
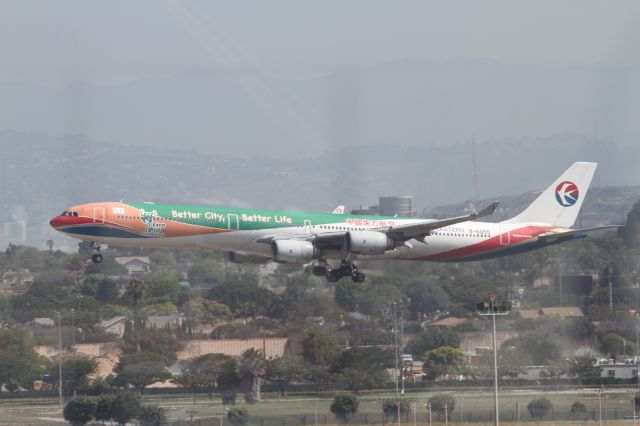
pixel 96 257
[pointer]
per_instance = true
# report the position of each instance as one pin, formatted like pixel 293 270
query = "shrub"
pixel 390 409
pixel 539 408
pixel 151 415
pixel 79 411
pixel 343 406
pixel 438 402
pixel 238 416
pixel 578 409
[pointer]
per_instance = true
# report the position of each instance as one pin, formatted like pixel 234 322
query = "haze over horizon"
pixel 250 79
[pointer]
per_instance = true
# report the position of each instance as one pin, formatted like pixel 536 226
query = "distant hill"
pixel 40 175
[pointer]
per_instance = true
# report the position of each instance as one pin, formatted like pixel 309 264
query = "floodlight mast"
pixel 494 309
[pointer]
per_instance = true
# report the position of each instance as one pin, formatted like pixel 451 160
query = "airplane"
pixel 331 242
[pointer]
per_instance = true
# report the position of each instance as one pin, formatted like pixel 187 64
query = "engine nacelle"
pixel 367 242
pixel 246 258
pixel 293 251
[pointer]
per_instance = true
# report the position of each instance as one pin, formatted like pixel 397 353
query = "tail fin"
pixel 560 203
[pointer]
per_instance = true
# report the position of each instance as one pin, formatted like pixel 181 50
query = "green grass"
pixel 297 409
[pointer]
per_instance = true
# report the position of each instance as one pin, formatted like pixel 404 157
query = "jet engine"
pixel 367 242
pixel 293 251
pixel 246 258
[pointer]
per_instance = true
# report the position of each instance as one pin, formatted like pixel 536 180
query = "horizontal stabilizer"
pixel 574 232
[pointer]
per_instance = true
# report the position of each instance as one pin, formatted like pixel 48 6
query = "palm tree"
pixel 253 369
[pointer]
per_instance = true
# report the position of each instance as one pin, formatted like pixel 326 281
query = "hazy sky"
pixel 58 44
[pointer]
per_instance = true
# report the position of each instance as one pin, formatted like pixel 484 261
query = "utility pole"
pixel 73 329
pixel 59 360
pixel 395 338
pixel 493 309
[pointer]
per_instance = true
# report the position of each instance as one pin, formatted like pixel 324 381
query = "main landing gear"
pixel 96 257
pixel 345 269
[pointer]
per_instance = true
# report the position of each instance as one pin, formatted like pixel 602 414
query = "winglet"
pixel 489 210
pixel 338 210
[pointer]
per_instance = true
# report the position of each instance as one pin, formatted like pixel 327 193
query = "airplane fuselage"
pixel 240 229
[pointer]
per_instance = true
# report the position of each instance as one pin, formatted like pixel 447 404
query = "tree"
pixel 107 291
pixel 355 380
pixel 125 406
pixel 539 344
pixel 285 370
pixel 209 371
pixel 319 348
pixel 631 232
pixel 229 380
pixel 347 294
pixel 238 416
pixel 539 408
pixel 343 406
pixel 390 409
pixel 244 298
pixel 151 415
pixel 430 339
pixel 253 369
pixel 426 297
pixel 19 362
pixel 614 344
pixel 139 370
pixel 163 286
pixel 206 271
pixel 584 367
pixel 443 361
pixel 438 403
pixel 103 407
pixel 201 310
pixel 511 360
pixel 79 411
pixel 366 359
pixel 364 368
pixel 77 369
pixel 152 340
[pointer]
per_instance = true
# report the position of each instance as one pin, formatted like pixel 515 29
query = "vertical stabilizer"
pixel 560 203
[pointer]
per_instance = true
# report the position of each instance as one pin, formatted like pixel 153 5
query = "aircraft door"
pixel 505 236
pixel 307 226
pixel 98 215
pixel 233 224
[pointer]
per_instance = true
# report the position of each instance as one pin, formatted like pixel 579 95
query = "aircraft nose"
pixel 56 222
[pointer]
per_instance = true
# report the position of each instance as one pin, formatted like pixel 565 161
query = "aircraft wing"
pixel 404 232
pixel 551 236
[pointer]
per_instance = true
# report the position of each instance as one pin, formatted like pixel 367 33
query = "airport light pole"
pixel 494 308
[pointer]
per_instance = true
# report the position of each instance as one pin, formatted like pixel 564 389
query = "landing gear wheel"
pixel 96 258
pixel 334 275
pixel 319 271
pixel 358 277
pixel 347 269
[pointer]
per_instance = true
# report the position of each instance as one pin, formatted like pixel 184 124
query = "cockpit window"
pixel 68 213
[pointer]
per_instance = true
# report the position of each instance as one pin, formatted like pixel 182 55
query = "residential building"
pixel 115 325
pixel 136 265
